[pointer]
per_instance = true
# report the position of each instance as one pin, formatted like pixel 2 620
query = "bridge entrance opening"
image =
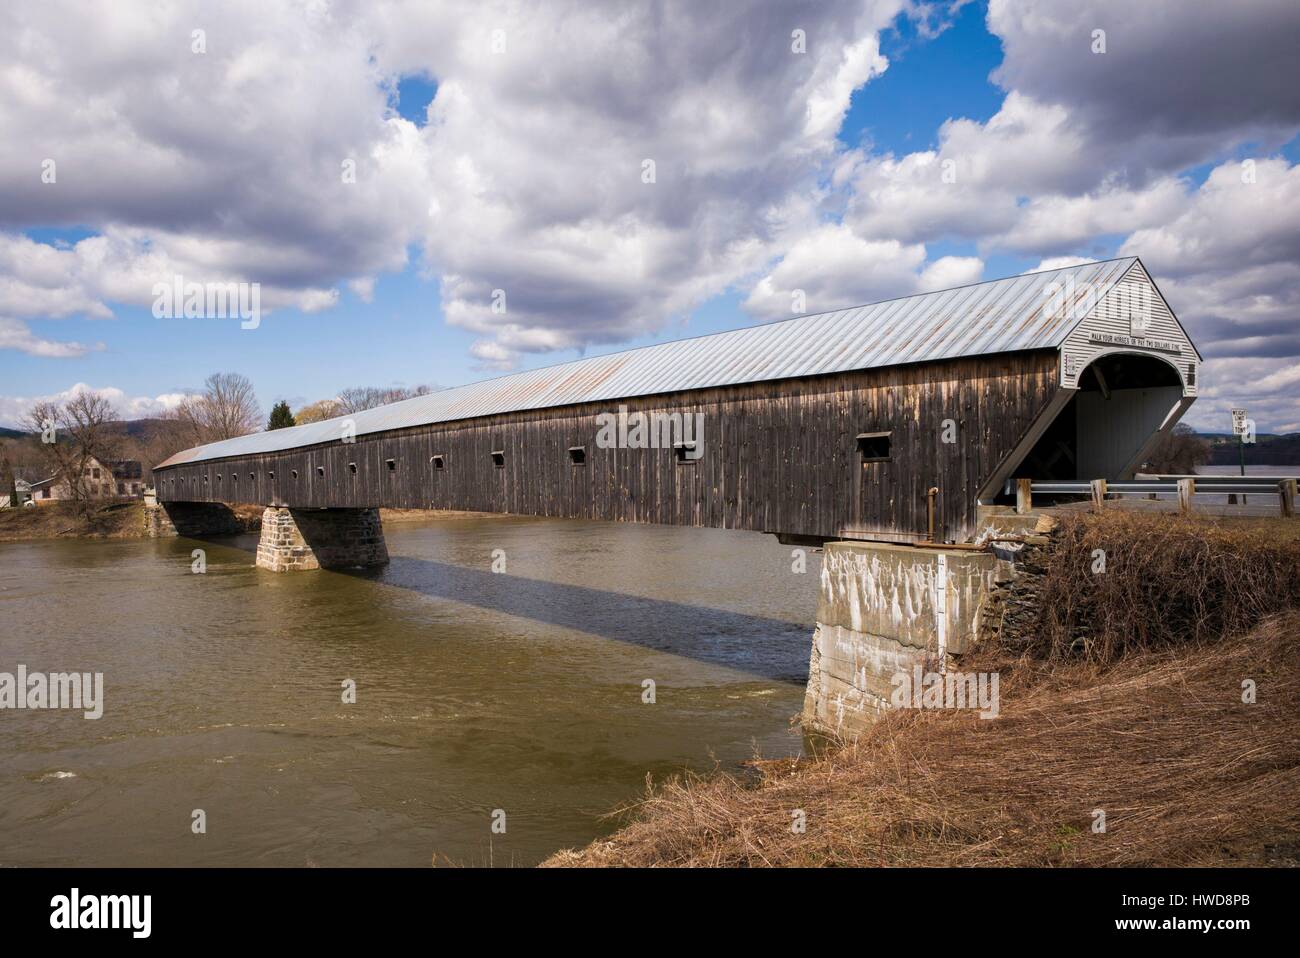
pixel 1103 431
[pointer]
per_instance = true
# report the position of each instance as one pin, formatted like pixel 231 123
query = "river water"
pixel 520 691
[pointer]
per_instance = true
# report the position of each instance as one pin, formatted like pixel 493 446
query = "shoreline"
pixel 1122 702
pixel 119 519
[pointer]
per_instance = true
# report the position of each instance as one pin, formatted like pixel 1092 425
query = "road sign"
pixel 1238 421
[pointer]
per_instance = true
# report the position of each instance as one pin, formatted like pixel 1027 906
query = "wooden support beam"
pixel 1101 381
pixel 1286 493
pixel 1024 496
pixel 1098 494
pixel 1186 489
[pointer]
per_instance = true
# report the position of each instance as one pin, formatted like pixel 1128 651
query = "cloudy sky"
pixel 381 167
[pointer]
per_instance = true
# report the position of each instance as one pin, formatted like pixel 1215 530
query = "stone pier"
pixel 884 609
pixel 294 539
pixel 192 519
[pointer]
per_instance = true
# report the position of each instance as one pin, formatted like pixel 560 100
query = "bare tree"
pixel 226 408
pixel 1178 452
pixel 368 397
pixel 73 433
pixel 231 406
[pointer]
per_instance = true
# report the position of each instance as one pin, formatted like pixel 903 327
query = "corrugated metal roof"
pixel 1003 315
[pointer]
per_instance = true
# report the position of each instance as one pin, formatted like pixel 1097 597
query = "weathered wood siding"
pixel 778 456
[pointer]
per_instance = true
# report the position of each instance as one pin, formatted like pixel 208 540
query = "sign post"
pixel 1239 430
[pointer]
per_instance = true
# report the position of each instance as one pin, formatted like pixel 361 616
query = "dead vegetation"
pixel 111 519
pixel 1168 581
pixel 94 519
pixel 1145 722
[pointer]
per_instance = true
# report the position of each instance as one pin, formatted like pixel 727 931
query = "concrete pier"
pixel 297 539
pixel 884 609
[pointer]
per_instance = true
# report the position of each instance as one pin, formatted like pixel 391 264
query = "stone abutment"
pixel 298 539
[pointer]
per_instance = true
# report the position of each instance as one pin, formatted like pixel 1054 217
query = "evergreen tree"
pixel 280 416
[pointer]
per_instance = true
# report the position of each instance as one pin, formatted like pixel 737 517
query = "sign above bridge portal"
pixel 1130 316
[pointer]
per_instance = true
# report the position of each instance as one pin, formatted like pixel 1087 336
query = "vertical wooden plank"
pixel 1024 496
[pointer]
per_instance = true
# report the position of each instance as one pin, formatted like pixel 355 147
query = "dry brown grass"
pixel 417 515
pixel 114 519
pixel 1170 581
pixel 1146 723
pixel 1186 773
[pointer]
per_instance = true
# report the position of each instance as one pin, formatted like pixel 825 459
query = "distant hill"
pixel 142 429
pixel 135 428
pixel 1269 449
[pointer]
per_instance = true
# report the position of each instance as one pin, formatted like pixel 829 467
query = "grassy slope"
pixel 112 520
pixel 117 519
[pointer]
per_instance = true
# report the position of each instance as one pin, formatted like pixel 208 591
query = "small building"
pixel 49 489
pixel 23 488
pixel 108 479
pixel 128 477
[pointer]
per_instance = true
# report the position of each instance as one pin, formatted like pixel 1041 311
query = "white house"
pixel 114 479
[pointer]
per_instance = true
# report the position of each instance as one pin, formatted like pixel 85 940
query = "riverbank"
pixel 1140 725
pixel 124 519
pixel 116 519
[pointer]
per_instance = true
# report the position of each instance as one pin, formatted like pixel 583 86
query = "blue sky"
pixel 401 336
pixel 495 190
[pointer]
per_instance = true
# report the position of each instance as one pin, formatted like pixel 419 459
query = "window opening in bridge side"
pixel 874 446
pixel 578 455
pixel 499 458
pixel 352 468
pixel 320 470
pixel 439 462
pixel 683 451
pixel 270 474
pixel 252 477
pixel 392 464
pixel 293 473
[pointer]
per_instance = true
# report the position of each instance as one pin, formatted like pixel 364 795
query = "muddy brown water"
pixel 476 691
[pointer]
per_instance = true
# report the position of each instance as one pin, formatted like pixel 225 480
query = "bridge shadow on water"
pixel 771 648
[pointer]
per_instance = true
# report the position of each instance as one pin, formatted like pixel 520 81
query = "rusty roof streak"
pixel 1004 315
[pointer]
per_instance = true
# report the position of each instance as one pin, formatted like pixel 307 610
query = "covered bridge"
pixel 896 421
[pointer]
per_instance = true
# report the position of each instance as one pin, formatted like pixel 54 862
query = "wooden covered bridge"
pixel 900 422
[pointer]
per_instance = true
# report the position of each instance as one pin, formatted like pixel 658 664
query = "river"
pixel 514 697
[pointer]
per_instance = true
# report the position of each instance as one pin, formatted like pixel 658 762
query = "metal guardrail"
pixel 1184 487
pixel 1142 487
